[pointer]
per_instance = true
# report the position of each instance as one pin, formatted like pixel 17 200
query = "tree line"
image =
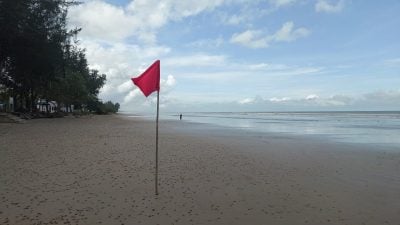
pixel 40 57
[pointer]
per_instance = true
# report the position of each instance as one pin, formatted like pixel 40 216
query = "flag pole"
pixel 156 174
pixel 148 82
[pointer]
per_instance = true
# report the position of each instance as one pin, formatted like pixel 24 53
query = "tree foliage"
pixel 103 108
pixel 40 58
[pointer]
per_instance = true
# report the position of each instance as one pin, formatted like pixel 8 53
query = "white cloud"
pixel 250 38
pixel 106 27
pixel 234 73
pixel 140 18
pixel 308 101
pixel 256 39
pixel 123 61
pixel 340 100
pixel 284 99
pixel 249 101
pixel 280 3
pixel 131 95
pixel 382 100
pixel 168 84
pixel 329 6
pixel 267 66
pixel 120 62
pixel 312 97
pixel 280 69
pixel 118 59
pixel 258 66
pixel 114 24
pixel 125 87
pixel 384 96
pixel 235 19
pixel 251 12
pixel 287 33
pixel 207 43
pixel 199 60
pixel 136 96
pixel 247 13
pixel 246 101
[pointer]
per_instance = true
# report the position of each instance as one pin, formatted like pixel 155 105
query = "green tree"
pixel 39 57
pixel 32 46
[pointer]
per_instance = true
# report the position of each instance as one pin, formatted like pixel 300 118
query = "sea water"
pixel 352 127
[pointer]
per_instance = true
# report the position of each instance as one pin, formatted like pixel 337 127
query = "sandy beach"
pixel 100 170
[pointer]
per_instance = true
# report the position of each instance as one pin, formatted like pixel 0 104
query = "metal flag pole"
pixel 148 82
pixel 156 174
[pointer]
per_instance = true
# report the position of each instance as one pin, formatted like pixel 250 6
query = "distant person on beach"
pixel 180 116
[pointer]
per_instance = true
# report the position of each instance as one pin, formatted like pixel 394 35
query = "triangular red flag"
pixel 149 80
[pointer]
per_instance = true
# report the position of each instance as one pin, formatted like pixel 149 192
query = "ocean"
pixel 381 128
pixel 367 127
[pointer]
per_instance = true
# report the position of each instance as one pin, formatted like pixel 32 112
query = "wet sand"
pixel 100 170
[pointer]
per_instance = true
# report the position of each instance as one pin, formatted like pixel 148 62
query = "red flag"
pixel 149 80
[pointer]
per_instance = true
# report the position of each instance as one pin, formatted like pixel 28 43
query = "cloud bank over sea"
pixel 246 55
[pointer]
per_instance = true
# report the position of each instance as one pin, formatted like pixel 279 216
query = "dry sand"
pixel 99 170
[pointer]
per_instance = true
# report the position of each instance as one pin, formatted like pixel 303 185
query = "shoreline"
pixel 201 129
pixel 99 170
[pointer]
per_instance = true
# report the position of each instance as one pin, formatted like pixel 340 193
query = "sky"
pixel 246 55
